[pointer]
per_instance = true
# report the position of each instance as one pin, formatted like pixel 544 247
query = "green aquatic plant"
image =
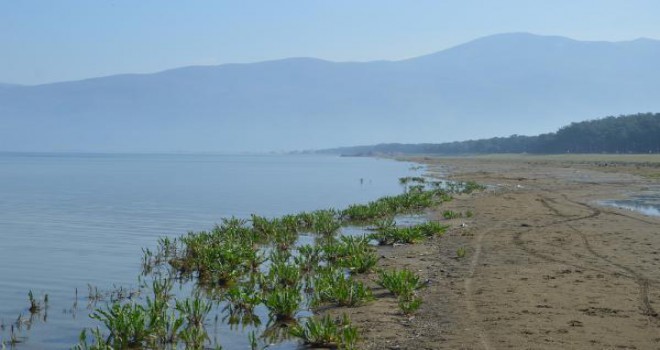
pixel 325 332
pixel 355 254
pixel 160 323
pixel 331 286
pixel 283 303
pixel 277 256
pixel 360 262
pixel 352 252
pixel 96 342
pixel 320 221
pixel 326 225
pixel 194 337
pixel 218 257
pixel 387 233
pixel 252 338
pixel 399 282
pixel 241 302
pixel 290 222
pixel 358 213
pixel 284 238
pixel 127 324
pixel 282 274
pixel 194 310
pixel 400 235
pixel 151 325
pixel 308 258
pixel 242 297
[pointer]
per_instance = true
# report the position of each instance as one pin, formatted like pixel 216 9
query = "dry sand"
pixel 546 267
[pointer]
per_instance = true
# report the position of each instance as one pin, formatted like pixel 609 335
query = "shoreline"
pixel 37 335
pixel 545 267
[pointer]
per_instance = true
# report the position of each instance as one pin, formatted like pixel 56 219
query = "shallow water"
pixel 646 202
pixel 67 220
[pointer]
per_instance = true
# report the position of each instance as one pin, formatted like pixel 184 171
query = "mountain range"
pixel 499 85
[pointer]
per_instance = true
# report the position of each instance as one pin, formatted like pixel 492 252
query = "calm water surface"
pixel 69 220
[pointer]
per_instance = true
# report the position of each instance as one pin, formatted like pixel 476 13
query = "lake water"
pixel 67 220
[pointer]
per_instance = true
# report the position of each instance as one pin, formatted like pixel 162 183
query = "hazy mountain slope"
pixel 498 85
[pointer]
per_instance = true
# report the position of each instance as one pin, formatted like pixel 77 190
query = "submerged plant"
pixel 36 305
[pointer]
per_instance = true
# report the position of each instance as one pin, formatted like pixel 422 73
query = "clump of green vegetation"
pixel 471 186
pixel 409 304
pixel 97 341
pixel 241 302
pixel 308 258
pixel 415 198
pixel 450 214
pixel 127 324
pixel 388 233
pixel 399 282
pixel 283 303
pixel 327 333
pixel 333 287
pixel 404 285
pixel 353 253
pixel 152 325
pixel 281 274
pixel 461 252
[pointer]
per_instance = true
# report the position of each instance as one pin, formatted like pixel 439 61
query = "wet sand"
pixel 546 267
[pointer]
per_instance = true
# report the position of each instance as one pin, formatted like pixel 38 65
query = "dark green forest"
pixel 637 133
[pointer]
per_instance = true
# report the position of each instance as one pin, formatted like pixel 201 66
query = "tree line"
pixel 637 133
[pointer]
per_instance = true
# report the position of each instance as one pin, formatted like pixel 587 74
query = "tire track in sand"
pixel 469 292
pixel 468 284
pixel 641 281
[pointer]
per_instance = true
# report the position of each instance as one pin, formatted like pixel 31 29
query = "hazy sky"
pixel 56 40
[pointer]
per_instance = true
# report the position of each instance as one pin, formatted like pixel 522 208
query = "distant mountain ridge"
pixel 498 85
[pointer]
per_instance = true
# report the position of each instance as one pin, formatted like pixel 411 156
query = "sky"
pixel 44 41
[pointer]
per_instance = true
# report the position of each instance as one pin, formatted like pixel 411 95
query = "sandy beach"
pixel 546 266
